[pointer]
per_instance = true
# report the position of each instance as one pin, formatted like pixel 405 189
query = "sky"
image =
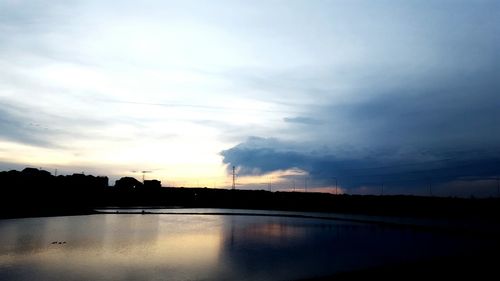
pixel 358 97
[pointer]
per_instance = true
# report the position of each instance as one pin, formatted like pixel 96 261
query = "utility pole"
pixel 144 175
pixel 336 186
pixel 234 178
pixel 498 186
pixel 293 185
pixel 305 184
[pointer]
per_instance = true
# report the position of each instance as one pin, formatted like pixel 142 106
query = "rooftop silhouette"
pixel 34 192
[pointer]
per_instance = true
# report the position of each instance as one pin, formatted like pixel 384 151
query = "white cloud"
pixel 141 82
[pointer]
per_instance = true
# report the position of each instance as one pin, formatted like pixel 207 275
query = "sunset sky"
pixel 404 94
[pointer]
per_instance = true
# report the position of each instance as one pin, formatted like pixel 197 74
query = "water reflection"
pixel 289 248
pixel 284 248
pixel 202 247
pixel 108 247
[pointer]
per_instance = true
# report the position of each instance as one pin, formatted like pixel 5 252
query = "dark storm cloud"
pixel 255 161
pixel 409 135
pixel 409 129
pixel 369 170
pixel 460 111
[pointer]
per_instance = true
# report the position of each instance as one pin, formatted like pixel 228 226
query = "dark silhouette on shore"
pixel 34 192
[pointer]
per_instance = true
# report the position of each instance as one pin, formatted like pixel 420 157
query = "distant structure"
pixel 143 174
pixel 234 178
pixel 152 184
pixel 128 183
pixel 336 186
pixel 498 186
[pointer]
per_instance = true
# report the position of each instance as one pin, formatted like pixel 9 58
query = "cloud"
pixel 417 130
pixel 423 89
pixel 411 123
pixel 260 160
pixel 302 120
pixel 329 86
pixel 15 126
pixel 259 156
pixel 6 166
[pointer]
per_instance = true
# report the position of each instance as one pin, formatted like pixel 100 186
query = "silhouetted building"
pixel 152 184
pixel 35 172
pixel 128 183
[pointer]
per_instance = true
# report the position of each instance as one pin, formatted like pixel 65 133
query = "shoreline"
pixel 456 229
pixel 47 214
pixel 489 229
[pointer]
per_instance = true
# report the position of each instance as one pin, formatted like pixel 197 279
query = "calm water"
pixel 204 247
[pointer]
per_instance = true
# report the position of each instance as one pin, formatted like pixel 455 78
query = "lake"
pixel 207 247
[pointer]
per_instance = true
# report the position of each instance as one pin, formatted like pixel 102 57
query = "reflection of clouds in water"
pixel 271 231
pixel 284 248
pixel 78 232
pixel 132 247
pixel 18 237
pixel 202 247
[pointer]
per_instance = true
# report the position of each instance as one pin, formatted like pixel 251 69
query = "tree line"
pixel 35 192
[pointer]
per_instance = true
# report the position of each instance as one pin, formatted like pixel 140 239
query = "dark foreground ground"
pixel 479 266
pixel 43 201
